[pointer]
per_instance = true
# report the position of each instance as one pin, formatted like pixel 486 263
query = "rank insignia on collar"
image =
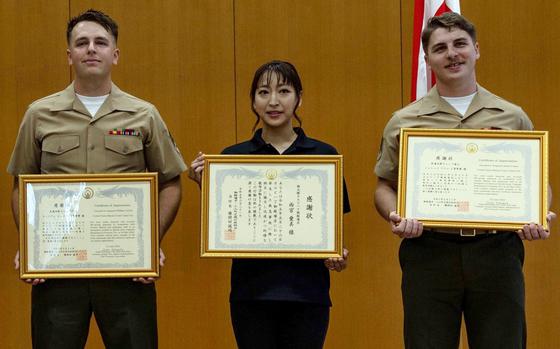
pixel 124 132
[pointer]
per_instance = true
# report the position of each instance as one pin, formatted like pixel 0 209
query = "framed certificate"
pixel 88 225
pixel 272 206
pixel 484 179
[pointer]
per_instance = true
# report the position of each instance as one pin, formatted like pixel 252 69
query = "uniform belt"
pixel 468 232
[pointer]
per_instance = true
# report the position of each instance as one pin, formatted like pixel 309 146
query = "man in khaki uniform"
pixel 447 275
pixel 94 127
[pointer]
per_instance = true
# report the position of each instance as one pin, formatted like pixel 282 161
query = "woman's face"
pixel 275 101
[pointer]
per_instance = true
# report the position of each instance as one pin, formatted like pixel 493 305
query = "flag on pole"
pixel 422 77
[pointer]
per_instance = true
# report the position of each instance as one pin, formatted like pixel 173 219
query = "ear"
pixel 116 54
pixel 300 99
pixel 477 50
pixel 68 56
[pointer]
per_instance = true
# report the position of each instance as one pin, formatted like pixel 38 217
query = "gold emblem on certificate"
pixel 88 193
pixel 271 174
pixel 272 206
pixel 472 148
pixel 74 226
pixel 486 179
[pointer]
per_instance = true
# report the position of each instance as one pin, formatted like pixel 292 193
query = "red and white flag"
pixel 422 77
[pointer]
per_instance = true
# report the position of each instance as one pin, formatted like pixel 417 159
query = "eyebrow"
pixel 439 44
pixel 461 38
pixel 277 86
pixel 79 38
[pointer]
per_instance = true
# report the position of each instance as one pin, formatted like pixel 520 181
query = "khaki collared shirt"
pixel 58 135
pixel 485 111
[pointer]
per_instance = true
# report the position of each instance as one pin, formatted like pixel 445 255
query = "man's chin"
pixel 92 73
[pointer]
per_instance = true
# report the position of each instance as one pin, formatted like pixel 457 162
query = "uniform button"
pixel 91 147
pixel 125 149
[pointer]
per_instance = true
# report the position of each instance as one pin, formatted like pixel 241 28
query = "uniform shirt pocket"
pixel 124 153
pixel 60 154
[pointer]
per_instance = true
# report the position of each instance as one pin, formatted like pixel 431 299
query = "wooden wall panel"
pixel 518 61
pixel 33 65
pixel 348 56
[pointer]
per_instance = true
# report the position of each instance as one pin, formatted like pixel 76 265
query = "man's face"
pixel 452 56
pixel 92 51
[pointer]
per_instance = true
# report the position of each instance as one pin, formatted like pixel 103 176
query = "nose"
pixel 273 99
pixel 91 47
pixel 451 53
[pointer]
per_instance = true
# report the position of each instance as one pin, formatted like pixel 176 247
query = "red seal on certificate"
pixel 81 255
pixel 229 234
pixel 463 206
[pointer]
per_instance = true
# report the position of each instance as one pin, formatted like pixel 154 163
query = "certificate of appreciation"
pixel 484 179
pixel 272 206
pixel 88 225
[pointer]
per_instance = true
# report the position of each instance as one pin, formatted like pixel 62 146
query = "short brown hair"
pixel 447 20
pixel 96 16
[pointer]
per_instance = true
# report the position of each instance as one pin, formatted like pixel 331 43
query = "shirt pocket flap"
pixel 123 144
pixel 60 144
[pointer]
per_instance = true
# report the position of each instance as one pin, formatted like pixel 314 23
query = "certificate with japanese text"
pixel 89 225
pixel 272 206
pixel 485 179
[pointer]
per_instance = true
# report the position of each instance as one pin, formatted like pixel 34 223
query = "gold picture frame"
pixel 258 206
pixel 482 179
pixel 89 225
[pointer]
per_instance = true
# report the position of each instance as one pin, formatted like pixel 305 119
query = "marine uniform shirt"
pixel 485 111
pixel 303 280
pixel 58 135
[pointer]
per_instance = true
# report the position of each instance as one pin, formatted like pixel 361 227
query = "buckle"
pixel 467 232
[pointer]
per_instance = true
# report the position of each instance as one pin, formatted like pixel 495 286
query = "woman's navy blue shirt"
pixel 300 280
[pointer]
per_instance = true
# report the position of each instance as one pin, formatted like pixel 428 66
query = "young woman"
pixel 279 303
